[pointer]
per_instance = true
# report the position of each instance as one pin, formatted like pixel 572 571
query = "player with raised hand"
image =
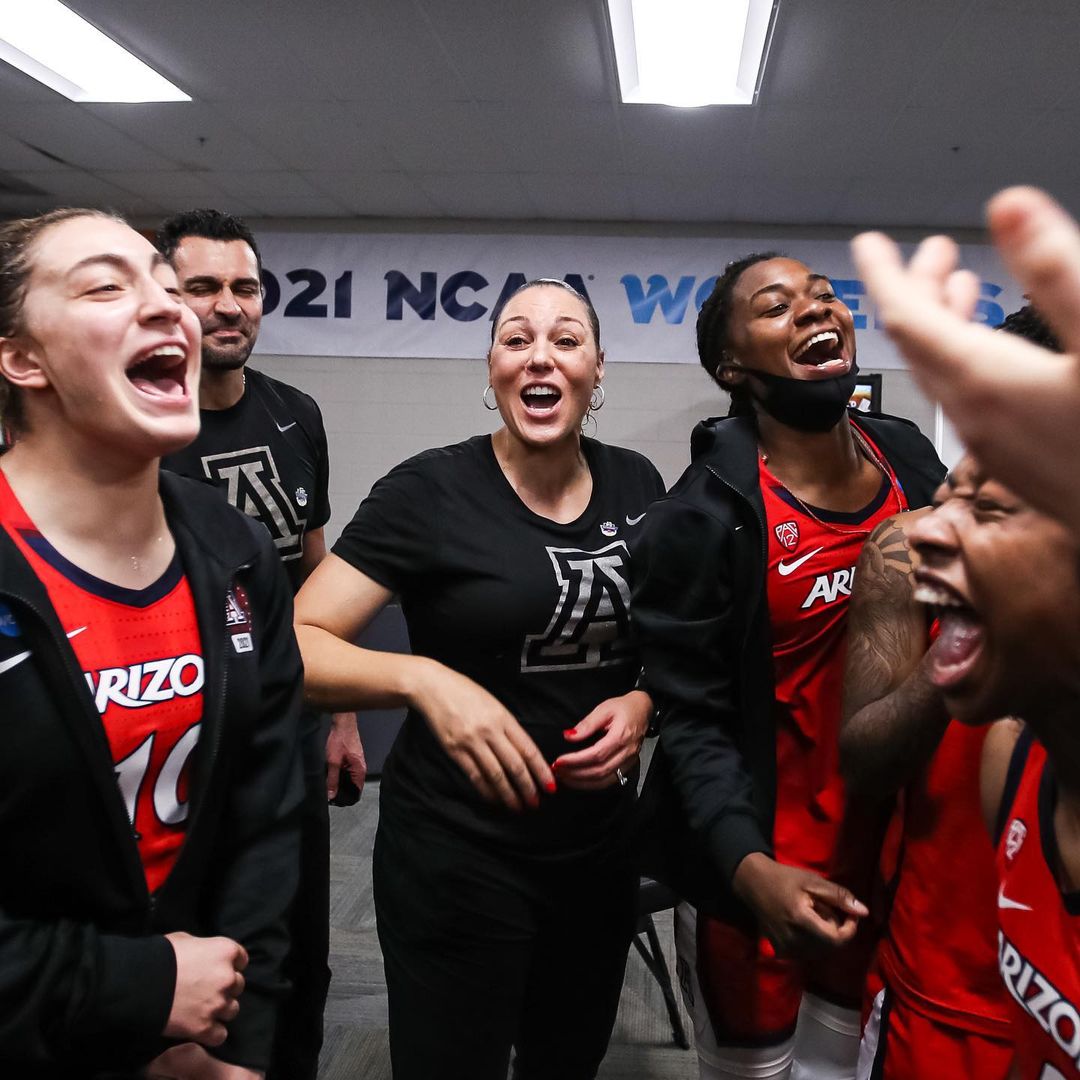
pixel 996 389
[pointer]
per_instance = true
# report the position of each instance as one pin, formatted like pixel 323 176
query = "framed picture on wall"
pixel 866 397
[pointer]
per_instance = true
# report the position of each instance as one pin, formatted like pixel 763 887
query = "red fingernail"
pixel 570 733
pixel 550 787
pixel 768 950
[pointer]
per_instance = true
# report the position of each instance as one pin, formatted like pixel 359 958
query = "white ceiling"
pixel 886 113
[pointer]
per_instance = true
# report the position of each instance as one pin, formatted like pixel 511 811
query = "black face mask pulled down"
pixel 804 404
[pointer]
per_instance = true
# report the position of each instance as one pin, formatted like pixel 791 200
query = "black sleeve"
pixel 258 858
pixel 689 638
pixel 393 536
pixel 320 512
pixel 69 992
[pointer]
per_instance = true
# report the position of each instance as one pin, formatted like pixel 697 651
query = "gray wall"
pixel 380 411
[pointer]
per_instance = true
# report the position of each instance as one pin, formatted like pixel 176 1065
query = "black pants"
pixel 299 1034
pixel 485 952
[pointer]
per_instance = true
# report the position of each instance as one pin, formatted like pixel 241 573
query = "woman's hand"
pixel 624 721
pixel 482 737
pixel 796 909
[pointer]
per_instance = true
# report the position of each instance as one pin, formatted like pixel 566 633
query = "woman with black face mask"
pixel 742 576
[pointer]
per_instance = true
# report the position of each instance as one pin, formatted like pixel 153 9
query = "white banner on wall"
pixel 413 295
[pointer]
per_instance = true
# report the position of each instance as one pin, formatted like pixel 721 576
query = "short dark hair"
pixel 712 326
pixel 1028 324
pixel 594 319
pixel 205 223
pixel 16 239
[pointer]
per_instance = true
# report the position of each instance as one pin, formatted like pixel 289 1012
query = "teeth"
pixel 925 593
pixel 826 335
pixel 541 391
pixel 167 350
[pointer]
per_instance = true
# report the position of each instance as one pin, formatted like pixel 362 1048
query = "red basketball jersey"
pixel 811 567
pixel 1038 930
pixel 141 655
pixel 938 953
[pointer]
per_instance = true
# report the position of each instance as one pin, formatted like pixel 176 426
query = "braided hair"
pixel 1027 323
pixel 712 328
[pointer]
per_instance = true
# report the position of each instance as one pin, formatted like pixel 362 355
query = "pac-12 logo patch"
pixel 8 626
pixel 609 528
pixel 788 534
pixel 1014 839
pixel 301 496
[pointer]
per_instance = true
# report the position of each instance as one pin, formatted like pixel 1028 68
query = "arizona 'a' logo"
pixel 788 534
pixel 591 623
pixel 252 484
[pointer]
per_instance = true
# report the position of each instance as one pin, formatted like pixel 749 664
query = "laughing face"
pixel 221 284
pixel 106 337
pixel 1004 581
pixel 544 365
pixel 785 320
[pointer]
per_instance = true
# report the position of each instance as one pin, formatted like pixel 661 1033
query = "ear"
pixel 19 364
pixel 599 367
pixel 729 373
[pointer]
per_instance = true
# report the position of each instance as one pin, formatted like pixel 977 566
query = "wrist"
pixel 420 682
pixel 750 875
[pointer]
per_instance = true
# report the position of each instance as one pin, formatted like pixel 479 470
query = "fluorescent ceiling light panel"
pixel 61 49
pixel 690 52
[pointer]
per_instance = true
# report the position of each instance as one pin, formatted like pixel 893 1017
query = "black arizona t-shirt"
pixel 268 455
pixel 534 611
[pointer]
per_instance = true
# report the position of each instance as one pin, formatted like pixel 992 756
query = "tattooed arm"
pixel 893 716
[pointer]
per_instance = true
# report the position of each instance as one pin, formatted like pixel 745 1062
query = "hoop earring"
pixel 494 405
pixel 594 405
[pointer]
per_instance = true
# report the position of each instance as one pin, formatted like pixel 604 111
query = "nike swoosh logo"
pixel 18 658
pixel 286 426
pixel 791 567
pixel 634 521
pixel 1005 902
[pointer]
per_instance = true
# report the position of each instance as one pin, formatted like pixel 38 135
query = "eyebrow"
pixel 810 279
pixel 525 319
pixel 209 279
pixel 119 261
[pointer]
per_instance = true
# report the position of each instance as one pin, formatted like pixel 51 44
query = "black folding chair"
pixel 654 897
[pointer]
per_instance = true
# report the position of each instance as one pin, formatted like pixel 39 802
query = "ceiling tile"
pixel 382 194
pixel 71 132
pixel 314 206
pixel 579 197
pixel 479 195
pixel 189 134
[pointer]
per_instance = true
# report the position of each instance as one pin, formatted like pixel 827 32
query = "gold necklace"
pixel 871 455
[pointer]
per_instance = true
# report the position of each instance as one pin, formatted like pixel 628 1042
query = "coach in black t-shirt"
pixel 262 441
pixel 504 884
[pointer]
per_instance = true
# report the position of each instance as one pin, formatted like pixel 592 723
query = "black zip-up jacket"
pixel 86 975
pixel 701 614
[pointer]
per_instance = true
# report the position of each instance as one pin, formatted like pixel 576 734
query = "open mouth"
pixel 959 643
pixel 540 398
pixel 161 374
pixel 824 352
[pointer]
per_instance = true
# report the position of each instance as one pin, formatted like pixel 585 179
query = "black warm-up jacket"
pixel 701 615
pixel 86 975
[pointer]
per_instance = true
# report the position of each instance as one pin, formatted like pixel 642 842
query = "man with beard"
pixel 262 441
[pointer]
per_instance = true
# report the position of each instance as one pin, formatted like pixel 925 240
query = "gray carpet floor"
pixel 356 1035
